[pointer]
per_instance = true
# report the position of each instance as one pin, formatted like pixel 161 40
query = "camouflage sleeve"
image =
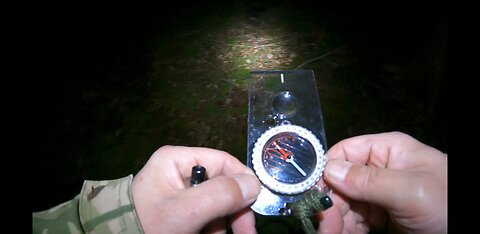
pixel 102 207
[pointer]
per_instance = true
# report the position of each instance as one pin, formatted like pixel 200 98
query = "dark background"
pixel 116 84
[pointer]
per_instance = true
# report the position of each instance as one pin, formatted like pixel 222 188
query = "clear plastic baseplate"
pixel 286 142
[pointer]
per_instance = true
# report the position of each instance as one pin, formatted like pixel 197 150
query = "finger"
pixel 381 150
pixel 214 198
pixel 360 211
pixel 173 164
pixel 368 216
pixel 243 222
pixel 377 218
pixel 215 161
pixel 349 223
pixel 216 226
pixel 331 220
pixel 366 183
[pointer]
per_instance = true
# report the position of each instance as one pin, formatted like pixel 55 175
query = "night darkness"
pixel 114 85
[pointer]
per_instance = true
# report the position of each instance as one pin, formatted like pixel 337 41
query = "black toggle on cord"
pixel 198 175
pixel 313 202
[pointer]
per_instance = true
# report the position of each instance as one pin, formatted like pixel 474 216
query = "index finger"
pixel 387 150
pixel 180 159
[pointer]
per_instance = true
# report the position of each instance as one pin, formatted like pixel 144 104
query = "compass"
pixel 288 159
pixel 286 141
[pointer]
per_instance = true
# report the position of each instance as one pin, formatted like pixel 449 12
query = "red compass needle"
pixel 288 157
pixel 282 151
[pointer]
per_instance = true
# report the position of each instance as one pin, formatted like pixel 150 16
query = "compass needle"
pixel 290 160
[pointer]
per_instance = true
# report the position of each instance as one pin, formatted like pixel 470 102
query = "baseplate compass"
pixel 286 137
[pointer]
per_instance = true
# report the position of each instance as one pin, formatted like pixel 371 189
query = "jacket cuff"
pixel 107 207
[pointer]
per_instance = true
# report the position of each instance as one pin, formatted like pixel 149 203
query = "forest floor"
pixel 189 87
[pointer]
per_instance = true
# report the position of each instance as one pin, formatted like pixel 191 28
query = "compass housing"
pixel 274 170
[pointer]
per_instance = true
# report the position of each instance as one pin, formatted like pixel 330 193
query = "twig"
pixel 274 43
pixel 320 57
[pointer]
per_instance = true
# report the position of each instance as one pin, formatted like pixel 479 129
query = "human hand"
pixel 386 179
pixel 164 204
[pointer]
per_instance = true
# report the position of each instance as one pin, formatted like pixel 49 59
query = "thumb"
pixel 371 184
pixel 217 197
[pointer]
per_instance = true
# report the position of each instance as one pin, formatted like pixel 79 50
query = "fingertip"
pixel 249 171
pixel 337 170
pixel 223 195
pixel 249 186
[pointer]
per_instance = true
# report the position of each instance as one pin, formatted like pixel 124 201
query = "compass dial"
pixel 288 159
